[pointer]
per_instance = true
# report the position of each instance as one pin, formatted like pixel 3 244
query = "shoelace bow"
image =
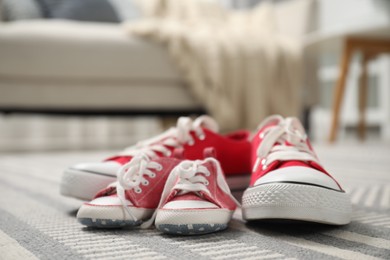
pixel 173 137
pixel 191 177
pixel 132 175
pixel 283 142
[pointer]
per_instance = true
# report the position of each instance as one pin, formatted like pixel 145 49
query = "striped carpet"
pixel 36 222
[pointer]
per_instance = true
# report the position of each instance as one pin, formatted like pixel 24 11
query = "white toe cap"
pixel 189 204
pixel 107 168
pixel 299 174
pixel 108 201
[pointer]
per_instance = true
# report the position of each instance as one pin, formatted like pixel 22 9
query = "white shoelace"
pixel 191 178
pixel 132 175
pixel 273 146
pixel 174 137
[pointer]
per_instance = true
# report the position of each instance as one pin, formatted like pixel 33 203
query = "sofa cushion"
pixel 87 10
pixel 92 95
pixel 98 10
pixel 19 10
pixel 79 50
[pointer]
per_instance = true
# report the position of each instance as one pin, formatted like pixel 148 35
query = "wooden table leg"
pixel 363 85
pixel 369 48
pixel 339 90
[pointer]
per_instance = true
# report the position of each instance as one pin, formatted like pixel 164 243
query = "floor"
pixel 37 222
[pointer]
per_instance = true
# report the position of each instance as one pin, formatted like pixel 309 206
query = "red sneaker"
pixel 196 199
pixel 133 198
pixel 288 181
pixel 84 180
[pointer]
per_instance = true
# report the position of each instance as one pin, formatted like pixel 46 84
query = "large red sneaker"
pixel 133 198
pixel 84 180
pixel 288 181
pixel 196 199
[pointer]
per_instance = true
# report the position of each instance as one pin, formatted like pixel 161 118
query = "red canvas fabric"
pixel 232 150
pixel 217 195
pixel 151 194
pixel 259 172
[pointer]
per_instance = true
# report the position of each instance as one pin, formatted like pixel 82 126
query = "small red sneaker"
pixel 84 180
pixel 133 198
pixel 288 182
pixel 196 199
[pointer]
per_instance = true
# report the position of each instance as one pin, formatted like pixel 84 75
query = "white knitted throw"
pixel 235 62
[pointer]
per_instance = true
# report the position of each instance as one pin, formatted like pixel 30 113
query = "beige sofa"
pixel 77 67
pixel 70 67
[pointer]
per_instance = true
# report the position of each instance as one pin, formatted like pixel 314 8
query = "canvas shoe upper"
pixel 133 198
pixel 84 180
pixel 196 199
pixel 288 181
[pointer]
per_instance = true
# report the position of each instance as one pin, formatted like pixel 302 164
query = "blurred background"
pixel 73 78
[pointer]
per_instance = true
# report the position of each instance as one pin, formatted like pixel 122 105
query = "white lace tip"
pixel 149 222
pixel 146 225
pixel 257 163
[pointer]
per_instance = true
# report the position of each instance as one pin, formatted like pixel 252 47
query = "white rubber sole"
pixel 296 202
pixel 83 185
pixel 192 221
pixel 111 216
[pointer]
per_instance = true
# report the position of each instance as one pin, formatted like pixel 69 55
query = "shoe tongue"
pixel 121 159
pixel 293 163
pixel 301 164
pixel 290 124
pixel 187 196
pixel 109 191
pixel 207 122
pixel 269 122
pixel 178 153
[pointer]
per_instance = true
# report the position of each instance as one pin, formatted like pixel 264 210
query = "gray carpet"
pixel 36 222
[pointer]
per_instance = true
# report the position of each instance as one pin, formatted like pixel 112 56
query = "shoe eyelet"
pixel 159 168
pixel 264 163
pixel 153 175
pixel 139 190
pixel 207 183
pixel 202 137
pixel 191 143
pixel 145 183
pixel 168 153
